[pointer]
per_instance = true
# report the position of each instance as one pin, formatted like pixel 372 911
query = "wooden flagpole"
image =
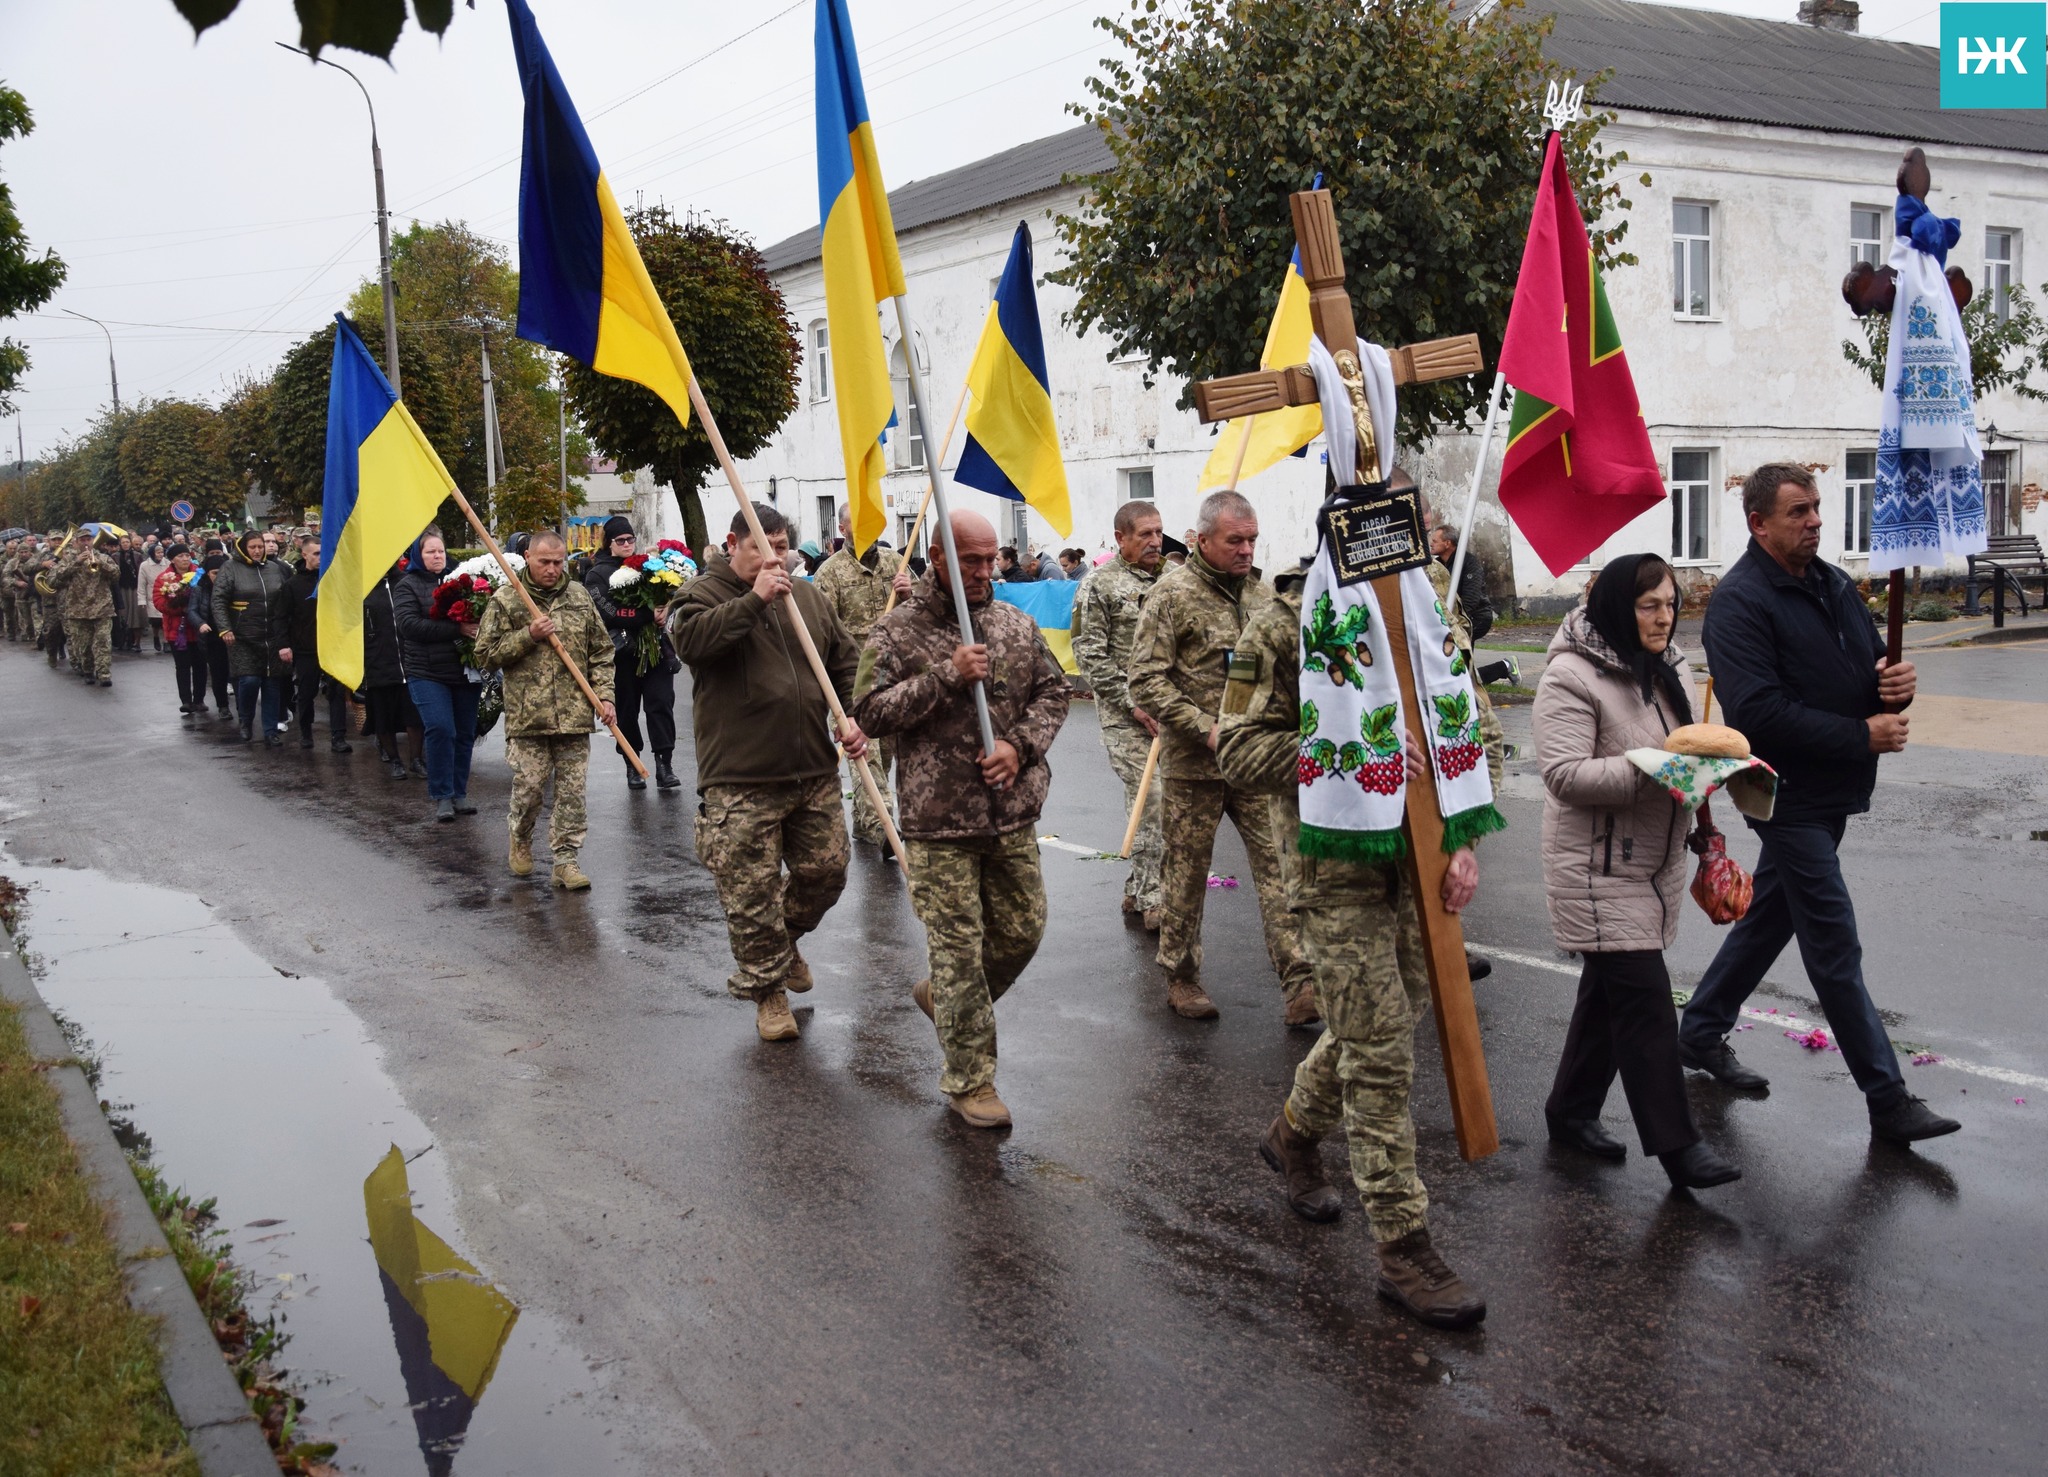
pixel 1152 755
pixel 512 578
pixel 803 634
pixel 931 486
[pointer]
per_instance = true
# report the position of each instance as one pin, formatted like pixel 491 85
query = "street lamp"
pixel 383 219
pixel 112 378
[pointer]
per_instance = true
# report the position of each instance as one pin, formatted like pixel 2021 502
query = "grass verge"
pixel 79 1389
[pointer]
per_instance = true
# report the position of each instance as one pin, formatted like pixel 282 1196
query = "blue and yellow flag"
pixel 583 290
pixel 1013 447
pixel 857 250
pixel 1277 434
pixel 383 485
pixel 1050 604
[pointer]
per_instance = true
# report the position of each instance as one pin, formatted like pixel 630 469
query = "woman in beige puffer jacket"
pixel 1614 863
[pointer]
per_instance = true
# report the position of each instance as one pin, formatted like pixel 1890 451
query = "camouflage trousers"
pixel 1372 981
pixel 10 610
pixel 866 825
pixel 982 903
pixel 536 759
pixel 52 627
pixel 91 639
pixel 1193 809
pixel 778 853
pixel 1128 746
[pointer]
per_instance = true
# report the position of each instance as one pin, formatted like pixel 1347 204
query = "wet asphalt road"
pixel 792 1258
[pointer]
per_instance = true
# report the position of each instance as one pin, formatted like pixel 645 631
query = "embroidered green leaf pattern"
pixel 1350 757
pixel 1454 711
pixel 1336 645
pixel 1376 727
pixel 1309 719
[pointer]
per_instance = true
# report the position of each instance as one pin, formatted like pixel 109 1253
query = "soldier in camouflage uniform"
pixel 547 718
pixel 771 828
pixel 1364 938
pixel 1191 622
pixel 49 607
pixel 857 589
pixel 969 819
pixel 85 580
pixel 10 605
pixel 1105 627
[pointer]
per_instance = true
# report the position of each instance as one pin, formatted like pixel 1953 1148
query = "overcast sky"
pixel 214 201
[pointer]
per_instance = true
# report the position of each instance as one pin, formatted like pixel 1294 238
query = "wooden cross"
pixel 1450 984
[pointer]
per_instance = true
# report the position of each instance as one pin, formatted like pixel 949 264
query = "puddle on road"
pixel 264 1091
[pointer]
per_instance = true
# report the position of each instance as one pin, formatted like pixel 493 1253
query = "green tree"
pixel 176 450
pixel 742 344
pixel 1426 127
pixel 455 288
pixel 26 282
pixel 248 432
pixel 2005 354
pixel 371 26
pixel 57 491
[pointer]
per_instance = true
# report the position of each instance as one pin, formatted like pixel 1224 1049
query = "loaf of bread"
pixel 1707 741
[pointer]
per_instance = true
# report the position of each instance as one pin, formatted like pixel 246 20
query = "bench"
pixel 2008 561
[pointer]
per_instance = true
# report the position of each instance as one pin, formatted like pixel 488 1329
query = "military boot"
pixel 1293 1155
pixel 664 773
pixel 568 876
pixel 773 1020
pixel 1303 1012
pixel 799 977
pixel 521 859
pixel 980 1108
pixel 1187 999
pixel 1418 1281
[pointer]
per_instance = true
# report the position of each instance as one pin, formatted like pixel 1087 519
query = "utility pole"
pixel 113 377
pixel 492 450
pixel 383 225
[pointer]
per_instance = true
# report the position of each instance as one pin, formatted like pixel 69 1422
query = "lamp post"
pixel 113 379
pixel 383 220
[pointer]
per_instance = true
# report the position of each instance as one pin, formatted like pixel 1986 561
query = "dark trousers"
pixel 387 711
pixel 655 691
pixel 191 665
pixel 216 653
pixel 260 696
pixel 1800 894
pixel 448 709
pixel 1625 1023
pixel 306 698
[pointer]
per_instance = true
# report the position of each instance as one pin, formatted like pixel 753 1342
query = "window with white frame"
pixel 821 361
pixel 828 520
pixel 1866 235
pixel 1692 259
pixel 1692 487
pixel 2001 269
pixel 1137 484
pixel 908 437
pixel 1859 488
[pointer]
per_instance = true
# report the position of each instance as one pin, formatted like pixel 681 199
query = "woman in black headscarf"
pixel 1614 865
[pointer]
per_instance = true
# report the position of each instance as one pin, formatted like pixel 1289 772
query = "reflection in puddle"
pixel 450 1323
pixel 265 1092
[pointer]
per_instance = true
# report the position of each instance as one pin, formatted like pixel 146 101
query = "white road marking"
pixel 1087 851
pixel 1779 1018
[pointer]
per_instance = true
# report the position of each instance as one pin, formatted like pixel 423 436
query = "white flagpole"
pixel 940 513
pixel 1472 497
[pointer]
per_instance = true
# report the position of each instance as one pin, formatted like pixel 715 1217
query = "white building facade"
pixel 1732 317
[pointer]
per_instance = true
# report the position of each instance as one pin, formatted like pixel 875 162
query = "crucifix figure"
pixel 1322 267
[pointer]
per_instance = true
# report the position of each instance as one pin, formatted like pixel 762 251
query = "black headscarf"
pixel 1611 607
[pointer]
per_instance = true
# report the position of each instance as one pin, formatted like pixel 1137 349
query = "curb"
pixel 1995 635
pixel 218 1423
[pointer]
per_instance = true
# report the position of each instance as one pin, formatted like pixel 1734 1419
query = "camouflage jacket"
pixel 85 584
pixel 1105 626
pixel 1259 747
pixel 540 695
pixel 855 591
pixel 917 696
pixel 1191 622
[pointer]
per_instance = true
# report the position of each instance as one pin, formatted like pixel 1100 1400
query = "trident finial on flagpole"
pixel 1561 104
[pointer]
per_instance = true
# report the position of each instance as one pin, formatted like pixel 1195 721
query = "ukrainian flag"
pixel 1277 433
pixel 583 290
pixel 383 485
pixel 1050 604
pixel 1013 447
pixel 857 249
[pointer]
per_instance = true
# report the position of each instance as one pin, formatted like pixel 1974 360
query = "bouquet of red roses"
pixel 461 598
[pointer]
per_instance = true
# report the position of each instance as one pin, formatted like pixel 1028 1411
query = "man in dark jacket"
pixel 767 772
pixel 213 652
pixel 301 594
pixel 654 689
pixel 1798 664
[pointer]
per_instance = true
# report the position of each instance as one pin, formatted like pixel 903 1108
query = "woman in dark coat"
pixel 387 706
pixel 250 613
pixel 212 652
pixel 435 678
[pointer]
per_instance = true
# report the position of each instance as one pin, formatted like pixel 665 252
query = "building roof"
pixel 1705 64
pixel 1665 59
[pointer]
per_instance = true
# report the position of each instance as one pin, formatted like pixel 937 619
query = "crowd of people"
pixel 1200 660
